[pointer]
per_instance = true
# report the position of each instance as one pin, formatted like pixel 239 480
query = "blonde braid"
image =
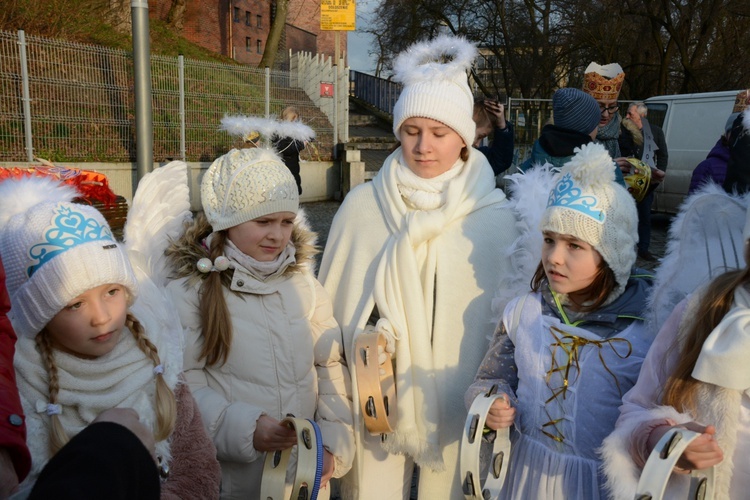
pixel 166 406
pixel 216 324
pixel 57 435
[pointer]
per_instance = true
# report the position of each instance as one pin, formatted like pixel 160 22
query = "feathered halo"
pixel 590 166
pixel 21 195
pixel 441 58
pixel 260 131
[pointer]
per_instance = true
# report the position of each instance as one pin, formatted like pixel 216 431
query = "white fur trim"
pixel 423 61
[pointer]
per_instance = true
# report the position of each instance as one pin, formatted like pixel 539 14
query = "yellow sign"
pixel 338 15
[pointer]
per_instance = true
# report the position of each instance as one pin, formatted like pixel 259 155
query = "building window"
pixel 236 17
pixel 248 44
pixel 247 18
pixel 258 21
pixel 260 49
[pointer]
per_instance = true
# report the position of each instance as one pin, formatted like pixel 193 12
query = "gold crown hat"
pixel 603 82
pixel 742 101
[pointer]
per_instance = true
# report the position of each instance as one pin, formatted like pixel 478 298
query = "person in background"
pixel 15 460
pixel 576 118
pixel 289 148
pixel 738 166
pixel 490 119
pixel 714 167
pixel 645 141
pixel 604 83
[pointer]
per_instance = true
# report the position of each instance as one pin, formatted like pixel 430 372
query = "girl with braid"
pixel 85 344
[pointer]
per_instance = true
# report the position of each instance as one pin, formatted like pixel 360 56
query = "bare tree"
pixel 176 14
pixel 281 8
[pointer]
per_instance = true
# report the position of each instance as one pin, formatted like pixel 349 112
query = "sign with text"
pixel 338 15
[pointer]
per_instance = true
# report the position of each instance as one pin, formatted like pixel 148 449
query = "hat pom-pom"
pixel 591 165
pixel 20 195
pixel 441 58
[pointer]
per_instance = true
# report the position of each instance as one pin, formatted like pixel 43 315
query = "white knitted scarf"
pixel 122 378
pixel 404 293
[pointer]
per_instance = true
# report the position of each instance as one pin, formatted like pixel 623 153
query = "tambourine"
pixel 309 464
pixel 639 180
pixel 377 391
pixel 471 444
pixel 661 462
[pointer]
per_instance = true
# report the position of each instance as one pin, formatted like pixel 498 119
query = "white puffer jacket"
pixel 286 358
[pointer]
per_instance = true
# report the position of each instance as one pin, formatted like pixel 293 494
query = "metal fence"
pixel 77 102
pixel 378 92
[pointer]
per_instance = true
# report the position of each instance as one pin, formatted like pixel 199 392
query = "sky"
pixel 358 43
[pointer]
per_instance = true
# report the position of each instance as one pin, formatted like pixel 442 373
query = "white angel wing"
pixel 529 192
pixel 705 240
pixel 160 209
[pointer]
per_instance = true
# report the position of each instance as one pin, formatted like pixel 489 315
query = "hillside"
pixel 84 21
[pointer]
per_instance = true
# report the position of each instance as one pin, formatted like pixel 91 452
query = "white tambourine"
pixel 471 444
pixel 309 464
pixel 661 462
pixel 375 383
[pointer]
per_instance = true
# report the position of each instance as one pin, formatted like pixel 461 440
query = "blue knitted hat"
pixel 575 110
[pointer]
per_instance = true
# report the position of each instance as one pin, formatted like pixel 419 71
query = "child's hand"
pixel 272 435
pixel 702 453
pixel 501 414
pixel 329 464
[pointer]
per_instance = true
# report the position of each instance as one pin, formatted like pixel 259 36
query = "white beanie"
pixel 54 250
pixel 588 204
pixel 245 184
pixel 436 85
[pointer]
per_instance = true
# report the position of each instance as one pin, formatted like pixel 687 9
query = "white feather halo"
pixel 441 58
pixel 591 165
pixel 267 128
pixel 20 195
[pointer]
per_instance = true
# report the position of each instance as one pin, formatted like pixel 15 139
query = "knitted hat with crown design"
pixel 588 204
pixel 54 250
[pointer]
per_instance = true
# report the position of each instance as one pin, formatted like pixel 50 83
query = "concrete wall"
pixel 321 180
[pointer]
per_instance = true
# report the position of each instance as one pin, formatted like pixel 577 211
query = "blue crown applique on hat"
pixel 70 228
pixel 567 194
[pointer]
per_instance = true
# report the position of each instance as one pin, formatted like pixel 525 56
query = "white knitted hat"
pixel 245 184
pixel 587 203
pixel 53 251
pixel 436 85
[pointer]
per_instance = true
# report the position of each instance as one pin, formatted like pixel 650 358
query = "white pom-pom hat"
pixel 54 250
pixel 587 203
pixel 436 85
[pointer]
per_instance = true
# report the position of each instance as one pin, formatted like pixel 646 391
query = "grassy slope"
pixel 83 21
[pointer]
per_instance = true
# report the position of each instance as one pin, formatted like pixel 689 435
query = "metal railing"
pixel 378 92
pixel 66 101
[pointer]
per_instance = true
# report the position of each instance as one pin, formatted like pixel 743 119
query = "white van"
pixel 692 124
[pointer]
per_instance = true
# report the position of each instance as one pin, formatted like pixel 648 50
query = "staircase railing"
pixel 378 92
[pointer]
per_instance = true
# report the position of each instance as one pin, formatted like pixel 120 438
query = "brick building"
pixel 239 28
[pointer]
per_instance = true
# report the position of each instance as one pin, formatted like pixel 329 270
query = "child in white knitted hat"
pixel 261 341
pixel 85 344
pixel 565 353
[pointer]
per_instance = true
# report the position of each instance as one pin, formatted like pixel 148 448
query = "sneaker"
pixel 647 256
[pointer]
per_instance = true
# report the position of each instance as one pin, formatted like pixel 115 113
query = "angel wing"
pixel 528 193
pixel 160 209
pixel 705 240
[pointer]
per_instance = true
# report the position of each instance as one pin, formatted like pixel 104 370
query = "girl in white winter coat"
pixel 261 340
